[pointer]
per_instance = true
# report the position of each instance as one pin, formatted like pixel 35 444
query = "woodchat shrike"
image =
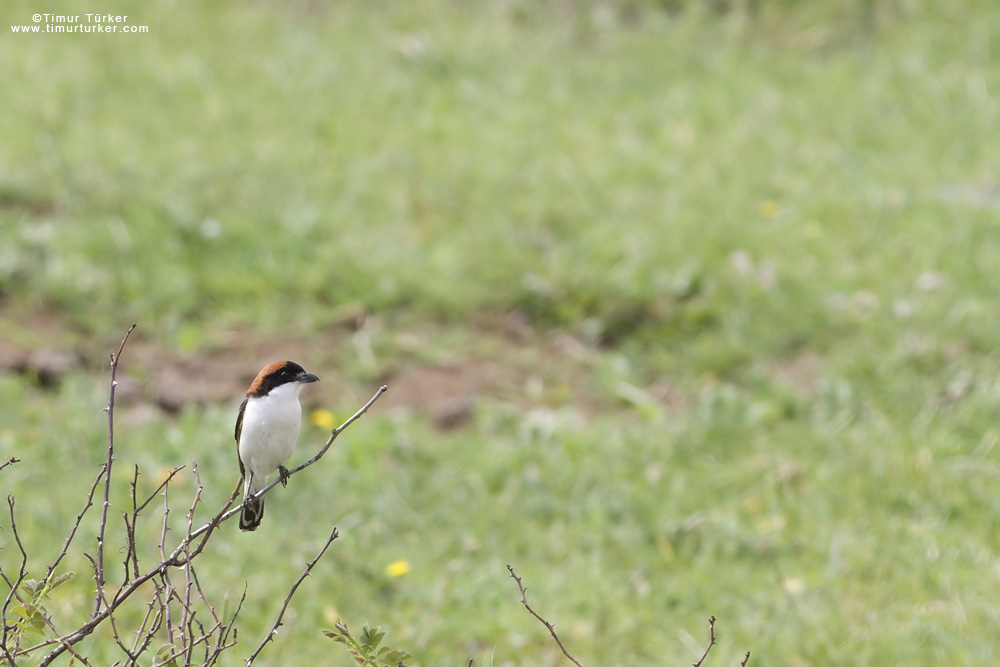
pixel 266 430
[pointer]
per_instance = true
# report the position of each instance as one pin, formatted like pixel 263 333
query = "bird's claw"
pixel 283 475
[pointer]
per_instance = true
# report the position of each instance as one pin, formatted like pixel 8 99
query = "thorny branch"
pixel 99 574
pixel 189 630
pixel 76 524
pixel 21 573
pixel 281 614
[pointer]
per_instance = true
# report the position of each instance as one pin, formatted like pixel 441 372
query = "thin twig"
pixel 711 641
pixel 58 640
pixel 156 491
pixel 222 641
pixel 201 637
pixel 333 436
pixel 746 660
pixel 21 574
pixel 223 514
pixel 118 639
pixel 144 633
pixel 76 525
pixel 187 618
pixel 99 576
pixel 551 629
pixel 204 598
pixel 281 614
pixel 168 587
pixel 218 625
pixel 11 461
pixel 131 552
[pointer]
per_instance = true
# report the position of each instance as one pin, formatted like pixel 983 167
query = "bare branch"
pixel 746 660
pixel 118 638
pixel 549 626
pixel 99 576
pixel 21 573
pixel 167 586
pixel 204 598
pixel 184 553
pixel 188 615
pixel 76 526
pixel 222 642
pixel 340 429
pixel 205 532
pixel 150 622
pixel 161 487
pixel 177 611
pixel 711 641
pixel 11 461
pixel 137 508
pixel 281 614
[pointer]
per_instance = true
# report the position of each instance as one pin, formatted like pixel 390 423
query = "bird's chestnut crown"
pixel 276 374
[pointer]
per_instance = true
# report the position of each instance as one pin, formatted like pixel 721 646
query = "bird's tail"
pixel 253 508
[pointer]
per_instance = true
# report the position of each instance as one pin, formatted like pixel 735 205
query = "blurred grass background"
pixel 766 233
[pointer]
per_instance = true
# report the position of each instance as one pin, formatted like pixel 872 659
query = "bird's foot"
pixel 283 475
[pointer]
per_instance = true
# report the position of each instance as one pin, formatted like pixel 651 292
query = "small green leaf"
pixel 32 629
pixel 61 579
pixel 394 657
pixel 372 637
pixel 165 655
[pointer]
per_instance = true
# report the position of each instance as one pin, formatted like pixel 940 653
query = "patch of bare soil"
pixel 511 363
pixel 500 359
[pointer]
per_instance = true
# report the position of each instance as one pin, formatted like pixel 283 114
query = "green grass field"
pixel 750 257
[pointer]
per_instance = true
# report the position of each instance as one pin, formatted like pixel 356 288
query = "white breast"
pixel 270 428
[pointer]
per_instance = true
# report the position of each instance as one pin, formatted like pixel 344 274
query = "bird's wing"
pixel 239 431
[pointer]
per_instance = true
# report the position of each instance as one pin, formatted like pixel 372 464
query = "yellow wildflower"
pixel 397 568
pixel 323 419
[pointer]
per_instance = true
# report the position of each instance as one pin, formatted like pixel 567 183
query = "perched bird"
pixel 266 431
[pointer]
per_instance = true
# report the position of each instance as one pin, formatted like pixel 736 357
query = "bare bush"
pixel 178 624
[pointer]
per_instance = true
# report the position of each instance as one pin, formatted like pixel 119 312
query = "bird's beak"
pixel 307 377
